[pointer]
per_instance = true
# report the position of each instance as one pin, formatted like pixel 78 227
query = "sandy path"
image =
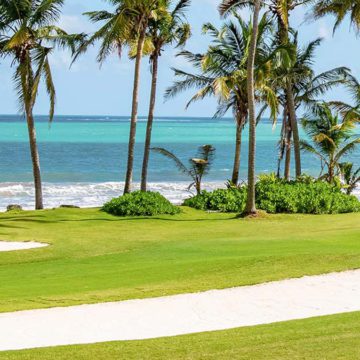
pixel 12 246
pixel 183 314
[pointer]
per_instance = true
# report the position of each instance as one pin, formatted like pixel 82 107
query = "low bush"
pixel 305 196
pixel 223 200
pixel 273 195
pixel 140 203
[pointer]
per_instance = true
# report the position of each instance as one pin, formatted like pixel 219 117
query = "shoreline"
pixel 93 194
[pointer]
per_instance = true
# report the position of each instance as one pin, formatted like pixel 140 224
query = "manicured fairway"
pixel 95 257
pixel 326 338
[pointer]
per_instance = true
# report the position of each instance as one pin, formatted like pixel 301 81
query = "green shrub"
pixel 140 204
pixel 223 200
pixel 304 196
pixel 273 195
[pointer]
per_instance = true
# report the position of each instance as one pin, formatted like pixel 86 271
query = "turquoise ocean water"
pixel 83 158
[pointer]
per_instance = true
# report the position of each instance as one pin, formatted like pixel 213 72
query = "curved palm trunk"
pixel 35 160
pixel 149 125
pixel 250 204
pixel 294 128
pixel 134 114
pixel 236 168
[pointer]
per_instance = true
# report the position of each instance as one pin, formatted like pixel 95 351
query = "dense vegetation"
pixel 273 195
pixel 140 203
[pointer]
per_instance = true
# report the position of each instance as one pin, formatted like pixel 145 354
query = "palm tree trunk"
pixel 150 121
pixel 294 127
pixel 35 160
pixel 250 204
pixel 287 170
pixel 236 168
pixel 284 39
pixel 134 113
pixel 198 187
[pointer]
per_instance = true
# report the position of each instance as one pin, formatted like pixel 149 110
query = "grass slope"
pixel 95 257
pixel 326 338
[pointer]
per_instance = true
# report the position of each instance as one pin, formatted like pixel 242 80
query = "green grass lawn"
pixel 326 338
pixel 94 257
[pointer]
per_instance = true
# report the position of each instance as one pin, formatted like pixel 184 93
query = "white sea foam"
pixel 87 194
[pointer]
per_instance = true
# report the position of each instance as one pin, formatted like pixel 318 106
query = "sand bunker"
pixel 12 246
pixel 183 314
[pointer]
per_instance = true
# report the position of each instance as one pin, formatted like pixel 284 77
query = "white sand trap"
pixel 182 314
pixel 12 246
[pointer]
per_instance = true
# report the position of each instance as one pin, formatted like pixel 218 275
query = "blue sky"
pixel 85 89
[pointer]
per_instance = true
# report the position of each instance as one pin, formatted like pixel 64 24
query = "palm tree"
pixel 198 166
pixel 340 9
pixel 306 88
pixel 127 25
pixel 162 32
pixel 332 136
pixel 350 176
pixel 221 72
pixel 225 8
pixel 280 10
pixel 28 35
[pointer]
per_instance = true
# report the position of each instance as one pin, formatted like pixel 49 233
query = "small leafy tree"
pixel 332 136
pixel 350 176
pixel 198 167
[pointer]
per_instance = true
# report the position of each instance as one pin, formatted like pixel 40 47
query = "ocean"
pixel 83 158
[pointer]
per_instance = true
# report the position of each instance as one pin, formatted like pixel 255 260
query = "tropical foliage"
pixel 198 167
pixel 140 203
pixel 273 195
pixel 222 72
pixel 350 176
pixel 332 137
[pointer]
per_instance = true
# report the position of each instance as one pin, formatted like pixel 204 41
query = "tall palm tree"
pixel 340 9
pixel 164 31
pixel 28 35
pixel 332 135
pixel 198 166
pixel 306 88
pixel 222 70
pixel 127 25
pixel 225 8
pixel 280 9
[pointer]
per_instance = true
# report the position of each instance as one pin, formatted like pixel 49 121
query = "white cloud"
pixel 324 30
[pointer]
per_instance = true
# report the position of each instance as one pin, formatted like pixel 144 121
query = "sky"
pixel 87 89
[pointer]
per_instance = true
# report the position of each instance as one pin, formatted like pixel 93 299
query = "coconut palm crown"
pixel 339 9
